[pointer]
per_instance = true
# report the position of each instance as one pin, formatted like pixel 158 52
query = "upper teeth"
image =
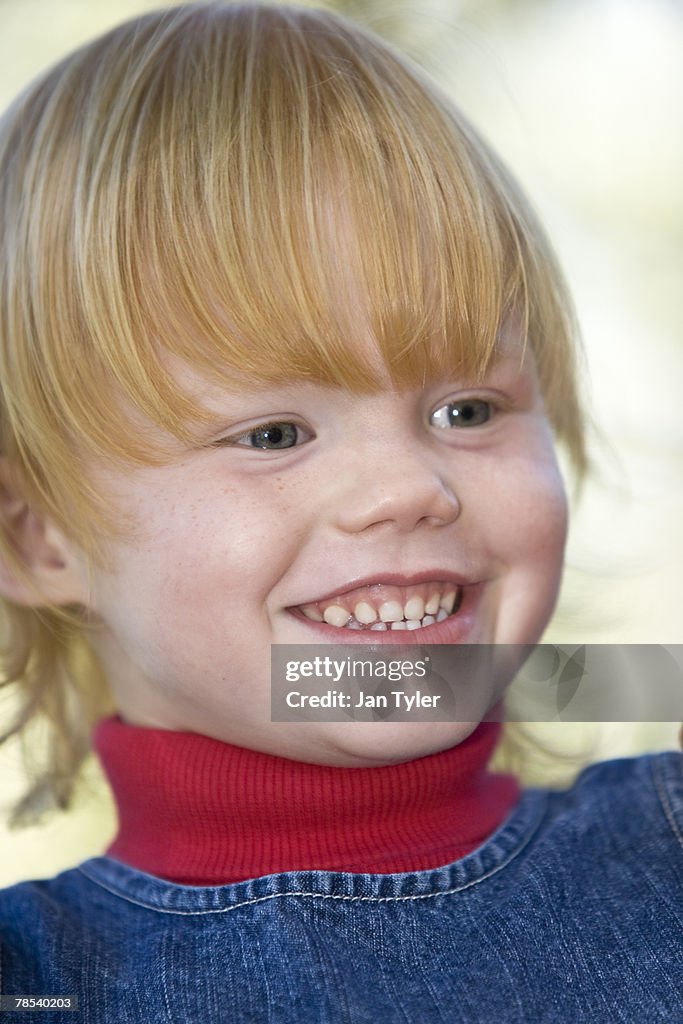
pixel 335 615
pixel 364 613
pixel 369 609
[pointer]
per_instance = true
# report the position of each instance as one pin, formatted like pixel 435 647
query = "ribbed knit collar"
pixel 197 811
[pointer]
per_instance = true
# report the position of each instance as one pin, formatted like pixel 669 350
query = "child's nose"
pixel 403 488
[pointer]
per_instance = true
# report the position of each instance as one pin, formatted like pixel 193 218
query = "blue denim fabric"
pixel 571 912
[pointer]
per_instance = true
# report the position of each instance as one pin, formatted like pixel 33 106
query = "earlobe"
pixel 37 566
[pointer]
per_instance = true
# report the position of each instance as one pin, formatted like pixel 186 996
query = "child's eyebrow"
pixel 220 404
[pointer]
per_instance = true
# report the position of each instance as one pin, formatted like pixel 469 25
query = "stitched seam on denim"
pixel 664 799
pixel 330 896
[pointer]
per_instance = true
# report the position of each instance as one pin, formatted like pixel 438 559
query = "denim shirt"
pixel 572 911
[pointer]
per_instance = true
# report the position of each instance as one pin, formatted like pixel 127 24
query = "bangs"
pixel 270 194
pixel 324 207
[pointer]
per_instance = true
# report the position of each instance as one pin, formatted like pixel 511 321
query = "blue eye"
pixel 272 436
pixel 275 435
pixel 468 412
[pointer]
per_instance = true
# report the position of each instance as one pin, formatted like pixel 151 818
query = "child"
pixel 283 351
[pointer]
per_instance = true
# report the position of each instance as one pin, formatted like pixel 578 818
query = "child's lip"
pixel 388 579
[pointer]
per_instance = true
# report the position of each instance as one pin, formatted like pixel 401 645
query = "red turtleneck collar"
pixel 198 811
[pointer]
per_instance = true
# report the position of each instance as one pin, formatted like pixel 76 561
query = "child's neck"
pixel 198 811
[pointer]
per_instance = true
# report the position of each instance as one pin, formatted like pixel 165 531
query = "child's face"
pixel 355 500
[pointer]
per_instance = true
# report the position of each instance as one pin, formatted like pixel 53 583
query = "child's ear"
pixel 51 572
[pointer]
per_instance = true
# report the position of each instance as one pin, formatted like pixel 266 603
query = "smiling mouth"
pixel 382 607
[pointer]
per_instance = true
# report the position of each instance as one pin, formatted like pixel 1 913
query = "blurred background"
pixel 584 100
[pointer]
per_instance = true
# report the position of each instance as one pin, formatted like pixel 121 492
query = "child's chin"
pixel 372 744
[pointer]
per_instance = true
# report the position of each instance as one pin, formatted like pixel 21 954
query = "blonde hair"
pixel 253 189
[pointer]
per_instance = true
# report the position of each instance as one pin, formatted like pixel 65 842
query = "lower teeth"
pixel 428 620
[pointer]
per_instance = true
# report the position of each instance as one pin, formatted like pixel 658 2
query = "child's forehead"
pixel 217 392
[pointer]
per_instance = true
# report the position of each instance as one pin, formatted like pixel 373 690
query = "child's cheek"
pixel 529 547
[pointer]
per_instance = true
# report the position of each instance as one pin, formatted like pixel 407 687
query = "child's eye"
pixel 468 412
pixel 270 437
